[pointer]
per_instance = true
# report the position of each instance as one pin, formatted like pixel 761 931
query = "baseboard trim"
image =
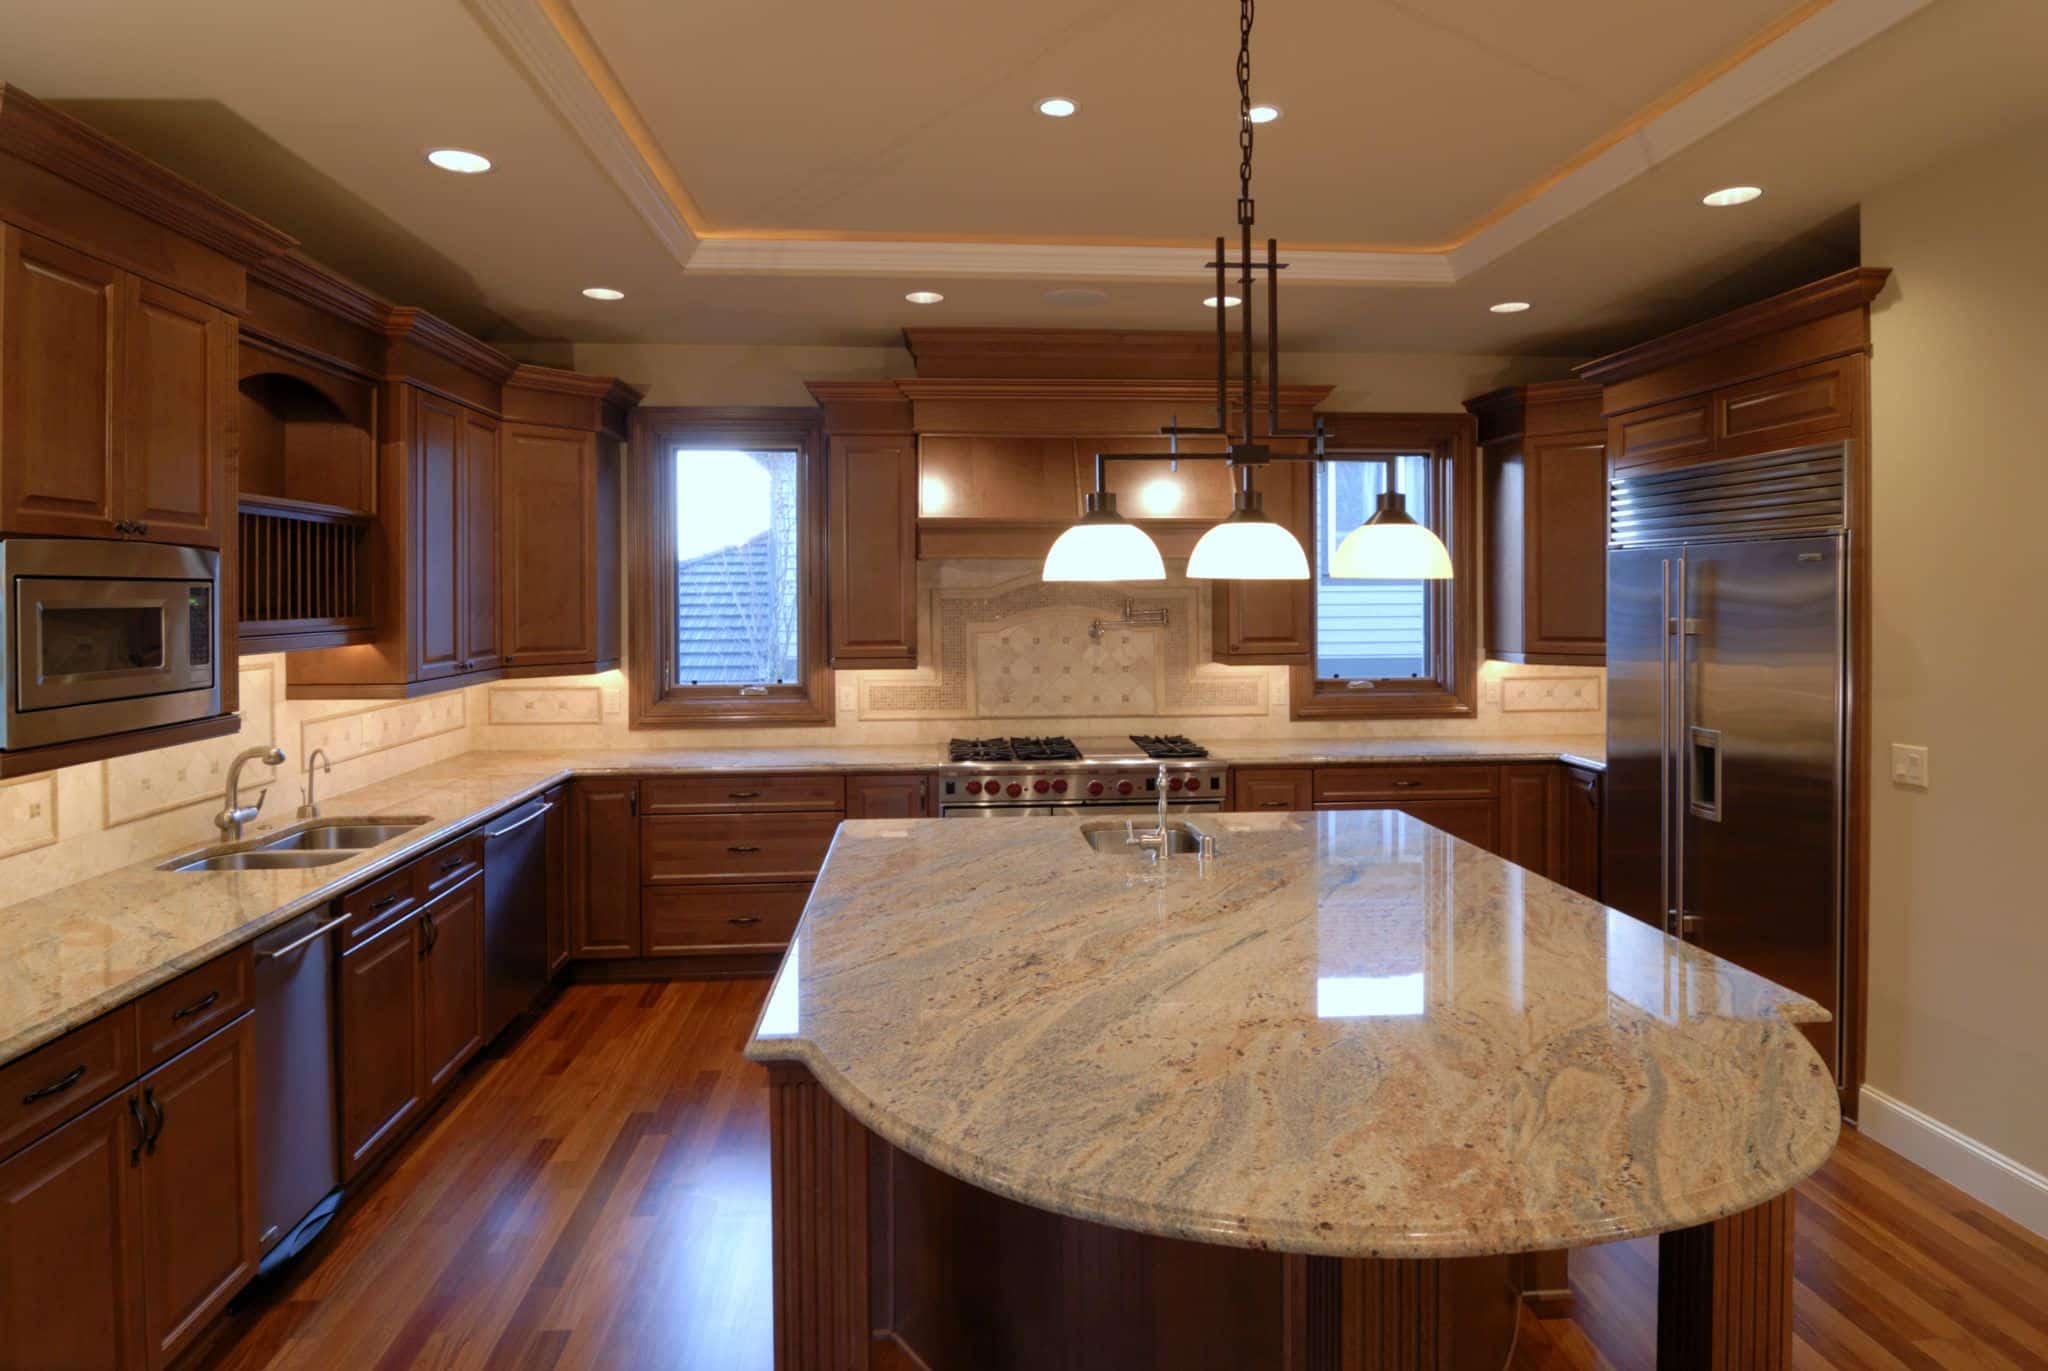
pixel 2017 1191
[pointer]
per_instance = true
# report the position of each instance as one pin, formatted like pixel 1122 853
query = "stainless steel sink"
pixel 354 834
pixel 1110 836
pixel 259 859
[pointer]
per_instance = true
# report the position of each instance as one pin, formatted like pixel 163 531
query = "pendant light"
pixel 1391 546
pixel 1103 547
pixel 1248 546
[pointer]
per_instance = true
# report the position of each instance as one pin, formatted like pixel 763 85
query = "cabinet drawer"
pixel 376 906
pixel 1661 435
pixel 725 794
pixel 1476 821
pixel 1780 410
pixel 61 1079
pixel 1341 785
pixel 1272 788
pixel 175 1016
pixel 678 922
pixel 734 847
pixel 450 866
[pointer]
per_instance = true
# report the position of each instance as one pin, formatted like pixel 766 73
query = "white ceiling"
pixel 802 157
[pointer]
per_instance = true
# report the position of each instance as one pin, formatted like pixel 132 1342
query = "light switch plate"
pixel 1909 766
pixel 849 697
pixel 614 702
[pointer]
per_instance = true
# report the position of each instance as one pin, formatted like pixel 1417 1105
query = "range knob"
pixel 974 787
pixel 1015 790
pixel 1123 787
pixel 1059 786
pixel 1095 787
pixel 1173 783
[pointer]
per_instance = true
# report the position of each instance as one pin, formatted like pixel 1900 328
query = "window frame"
pixel 1450 690
pixel 653 700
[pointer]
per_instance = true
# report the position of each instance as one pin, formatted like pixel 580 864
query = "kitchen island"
pixel 1297 1105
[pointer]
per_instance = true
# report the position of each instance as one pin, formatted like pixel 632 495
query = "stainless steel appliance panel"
pixel 297 1162
pixel 515 914
pixel 1637 810
pixel 1085 809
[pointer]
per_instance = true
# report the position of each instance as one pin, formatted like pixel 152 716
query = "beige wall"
pixel 1959 923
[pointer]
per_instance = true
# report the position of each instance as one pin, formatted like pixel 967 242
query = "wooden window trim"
pixel 1451 690
pixel 652 702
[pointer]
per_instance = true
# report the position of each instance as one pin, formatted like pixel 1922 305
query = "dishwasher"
pixel 298 1167
pixel 515 914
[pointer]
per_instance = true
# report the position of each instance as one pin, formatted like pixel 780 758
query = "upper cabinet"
pixel 1544 463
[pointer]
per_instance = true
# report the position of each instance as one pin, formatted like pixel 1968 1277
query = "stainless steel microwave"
pixel 105 637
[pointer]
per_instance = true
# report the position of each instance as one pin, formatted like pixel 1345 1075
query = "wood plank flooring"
pixel 596 1196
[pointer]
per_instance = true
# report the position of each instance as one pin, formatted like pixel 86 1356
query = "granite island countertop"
pixel 76 952
pixel 1348 1034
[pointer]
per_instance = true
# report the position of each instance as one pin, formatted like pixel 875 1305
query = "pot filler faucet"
pixel 233 812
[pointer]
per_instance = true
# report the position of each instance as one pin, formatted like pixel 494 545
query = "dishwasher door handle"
pixel 273 953
pixel 493 833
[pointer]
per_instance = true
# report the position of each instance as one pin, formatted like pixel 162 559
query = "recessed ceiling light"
pixel 1229 302
pixel 1265 114
pixel 1057 107
pixel 1509 307
pixel 1731 195
pixel 924 297
pixel 460 160
pixel 604 293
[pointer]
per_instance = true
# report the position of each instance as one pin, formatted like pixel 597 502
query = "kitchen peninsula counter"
pixel 1348 1038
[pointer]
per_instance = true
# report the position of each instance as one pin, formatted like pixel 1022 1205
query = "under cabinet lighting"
pixel 1731 195
pixel 1057 107
pixel 603 293
pixel 924 297
pixel 1509 307
pixel 459 160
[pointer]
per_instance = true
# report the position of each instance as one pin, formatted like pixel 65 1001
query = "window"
pixel 1394 649
pixel 727 523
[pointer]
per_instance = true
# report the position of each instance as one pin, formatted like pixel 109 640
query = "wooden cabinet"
pixel 1272 788
pixel 1475 821
pixel 871 551
pixel 1544 465
pixel 71 1246
pixel 379 1009
pixel 436 608
pixel 1531 833
pixel 478 553
pixel 1580 808
pixel 1273 622
pixel 604 868
pixel 558 879
pixel 888 797
pixel 718 848
pixel 740 918
pixel 113 400
pixel 451 982
pixel 547 483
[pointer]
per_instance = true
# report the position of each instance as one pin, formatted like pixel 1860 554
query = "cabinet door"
pixel 1531 830
pixel 1565 558
pixel 1273 622
pixel 174 395
pixel 888 797
pixel 478 555
pixel 558 880
pixel 604 869
pixel 1581 810
pixel 547 489
pixel 1271 788
pixel 60 380
pixel 380 1039
pixel 198 1186
pixel 1475 821
pixel 436 536
pixel 452 984
pixel 871 567
pixel 71 1245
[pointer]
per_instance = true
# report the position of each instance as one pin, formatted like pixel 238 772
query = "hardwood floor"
pixel 596 1196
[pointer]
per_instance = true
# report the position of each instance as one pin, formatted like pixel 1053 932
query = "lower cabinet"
pixel 1530 835
pixel 888 797
pixel 558 879
pixel 604 868
pixel 1475 821
pixel 451 983
pixel 126 1230
pixel 379 1008
pixel 738 918
pixel 1272 788
pixel 1580 808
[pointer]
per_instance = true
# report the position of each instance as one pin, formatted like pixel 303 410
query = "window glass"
pixel 737 525
pixel 1368 630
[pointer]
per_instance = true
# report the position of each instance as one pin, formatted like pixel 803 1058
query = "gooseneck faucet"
pixel 1155 838
pixel 311 808
pixel 233 812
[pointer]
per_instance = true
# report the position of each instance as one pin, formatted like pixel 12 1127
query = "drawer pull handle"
pixel 744 919
pixel 385 903
pixel 141 1132
pixel 1272 804
pixel 57 1087
pixel 742 794
pixel 1406 785
pixel 156 1107
pixel 451 864
pixel 742 848
pixel 205 1001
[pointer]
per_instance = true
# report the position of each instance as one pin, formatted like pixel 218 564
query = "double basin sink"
pixel 316 842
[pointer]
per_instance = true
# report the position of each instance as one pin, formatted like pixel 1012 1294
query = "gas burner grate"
pixel 979 750
pixel 1168 747
pixel 1044 750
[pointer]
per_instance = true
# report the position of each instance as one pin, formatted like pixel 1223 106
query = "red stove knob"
pixel 1015 790
pixel 1095 787
pixel 1173 783
pixel 1123 787
pixel 1041 786
pixel 974 787
pixel 1060 786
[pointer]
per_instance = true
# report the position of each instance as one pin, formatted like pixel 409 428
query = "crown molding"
pixel 306 281
pixel 1837 294
pixel 540 45
pixel 61 145
pixel 410 324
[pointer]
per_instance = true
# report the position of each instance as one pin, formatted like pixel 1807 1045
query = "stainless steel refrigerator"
pixel 1727 606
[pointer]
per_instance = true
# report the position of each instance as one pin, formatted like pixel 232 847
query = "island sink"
pixel 1117 837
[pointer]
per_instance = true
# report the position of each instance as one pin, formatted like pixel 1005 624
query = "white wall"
pixel 1958 920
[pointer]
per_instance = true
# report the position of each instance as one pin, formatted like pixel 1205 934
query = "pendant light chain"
pixel 1244 113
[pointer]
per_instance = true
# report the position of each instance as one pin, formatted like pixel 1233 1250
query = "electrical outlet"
pixel 614 702
pixel 849 696
pixel 1489 690
pixel 1909 766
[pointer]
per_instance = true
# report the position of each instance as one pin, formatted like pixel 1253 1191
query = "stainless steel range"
pixel 986 778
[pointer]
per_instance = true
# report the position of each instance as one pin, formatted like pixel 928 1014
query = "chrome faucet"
pixel 233 812
pixel 311 808
pixel 1154 838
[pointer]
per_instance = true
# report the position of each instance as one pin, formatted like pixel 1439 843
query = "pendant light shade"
pixel 1248 546
pixel 1102 547
pixel 1391 546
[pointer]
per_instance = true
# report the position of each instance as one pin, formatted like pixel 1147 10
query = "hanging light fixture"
pixel 1248 545
pixel 1391 546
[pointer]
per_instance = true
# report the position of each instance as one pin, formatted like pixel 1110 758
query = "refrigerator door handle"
pixel 1664 758
pixel 1682 660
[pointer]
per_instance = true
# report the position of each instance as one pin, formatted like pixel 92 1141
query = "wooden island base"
pixel 883 1263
